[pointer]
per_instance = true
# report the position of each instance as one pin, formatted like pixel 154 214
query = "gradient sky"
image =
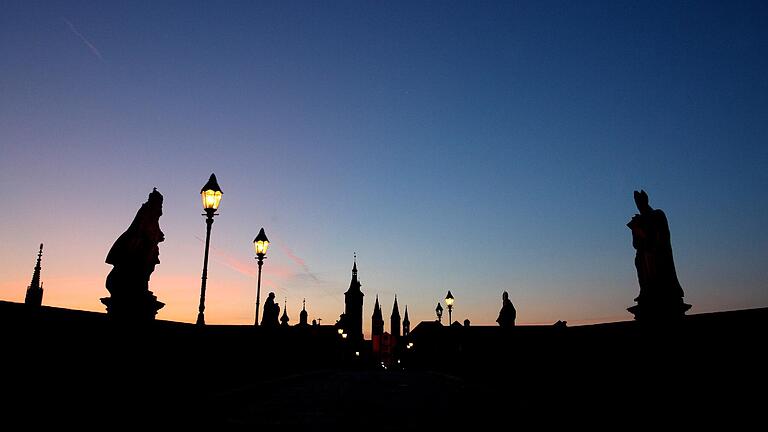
pixel 468 146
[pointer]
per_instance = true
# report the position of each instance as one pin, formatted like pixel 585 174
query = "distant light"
pixel 449 299
pixel 357 353
pixel 344 335
pixel 341 330
pixel 410 345
pixel 398 361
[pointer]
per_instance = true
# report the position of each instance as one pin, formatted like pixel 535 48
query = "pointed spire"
pixel 303 314
pixel 377 310
pixel 34 295
pixel 284 319
pixel 395 309
pixel 377 322
pixel 394 320
pixel 354 284
pixel 406 323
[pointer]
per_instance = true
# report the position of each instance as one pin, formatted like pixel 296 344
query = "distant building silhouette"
pixel 406 323
pixel 377 322
pixel 394 320
pixel 303 314
pixel 352 321
pixel 34 295
pixel 284 319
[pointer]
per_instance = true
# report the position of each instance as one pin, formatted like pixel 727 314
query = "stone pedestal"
pixel 136 308
pixel 657 311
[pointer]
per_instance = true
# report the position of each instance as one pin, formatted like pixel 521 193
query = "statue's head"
pixel 505 296
pixel 641 201
pixel 155 201
pixel 155 196
pixel 271 295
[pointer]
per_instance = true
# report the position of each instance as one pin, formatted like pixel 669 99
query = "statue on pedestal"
pixel 507 314
pixel 134 256
pixel 661 296
pixel 271 312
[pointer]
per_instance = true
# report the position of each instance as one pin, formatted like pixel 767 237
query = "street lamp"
pixel 211 194
pixel 439 312
pixel 260 245
pixel 449 303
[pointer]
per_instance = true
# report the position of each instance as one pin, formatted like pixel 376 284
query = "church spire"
pixel 284 319
pixel 406 323
pixel 34 295
pixel 377 322
pixel 303 313
pixel 354 284
pixel 394 320
pixel 352 320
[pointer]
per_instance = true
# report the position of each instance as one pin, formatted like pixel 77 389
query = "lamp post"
pixel 211 194
pixel 449 303
pixel 260 245
pixel 439 312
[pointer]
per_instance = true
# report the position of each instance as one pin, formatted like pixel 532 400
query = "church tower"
pixel 394 320
pixel 377 324
pixel 406 323
pixel 34 295
pixel 303 314
pixel 353 307
pixel 284 319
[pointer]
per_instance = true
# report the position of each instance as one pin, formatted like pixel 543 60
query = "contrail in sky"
pixel 88 43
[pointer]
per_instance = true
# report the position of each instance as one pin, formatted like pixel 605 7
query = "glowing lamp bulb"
pixel 261 243
pixel 211 194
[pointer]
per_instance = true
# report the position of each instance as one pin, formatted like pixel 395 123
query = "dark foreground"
pixel 64 368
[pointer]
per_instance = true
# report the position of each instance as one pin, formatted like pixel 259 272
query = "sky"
pixel 472 146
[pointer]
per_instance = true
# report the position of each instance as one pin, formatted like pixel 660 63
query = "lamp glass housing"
pixel 211 199
pixel 449 299
pixel 261 247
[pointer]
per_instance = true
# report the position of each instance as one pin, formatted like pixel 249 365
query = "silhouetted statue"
pixel 661 296
pixel 507 314
pixel 271 312
pixel 134 257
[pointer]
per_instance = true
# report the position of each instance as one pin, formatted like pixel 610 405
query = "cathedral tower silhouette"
pixel 34 295
pixel 394 320
pixel 353 307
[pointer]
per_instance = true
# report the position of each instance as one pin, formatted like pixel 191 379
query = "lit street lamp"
pixel 260 245
pixel 449 303
pixel 211 194
pixel 439 312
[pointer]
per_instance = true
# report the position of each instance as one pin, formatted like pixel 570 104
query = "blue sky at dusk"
pixel 468 146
